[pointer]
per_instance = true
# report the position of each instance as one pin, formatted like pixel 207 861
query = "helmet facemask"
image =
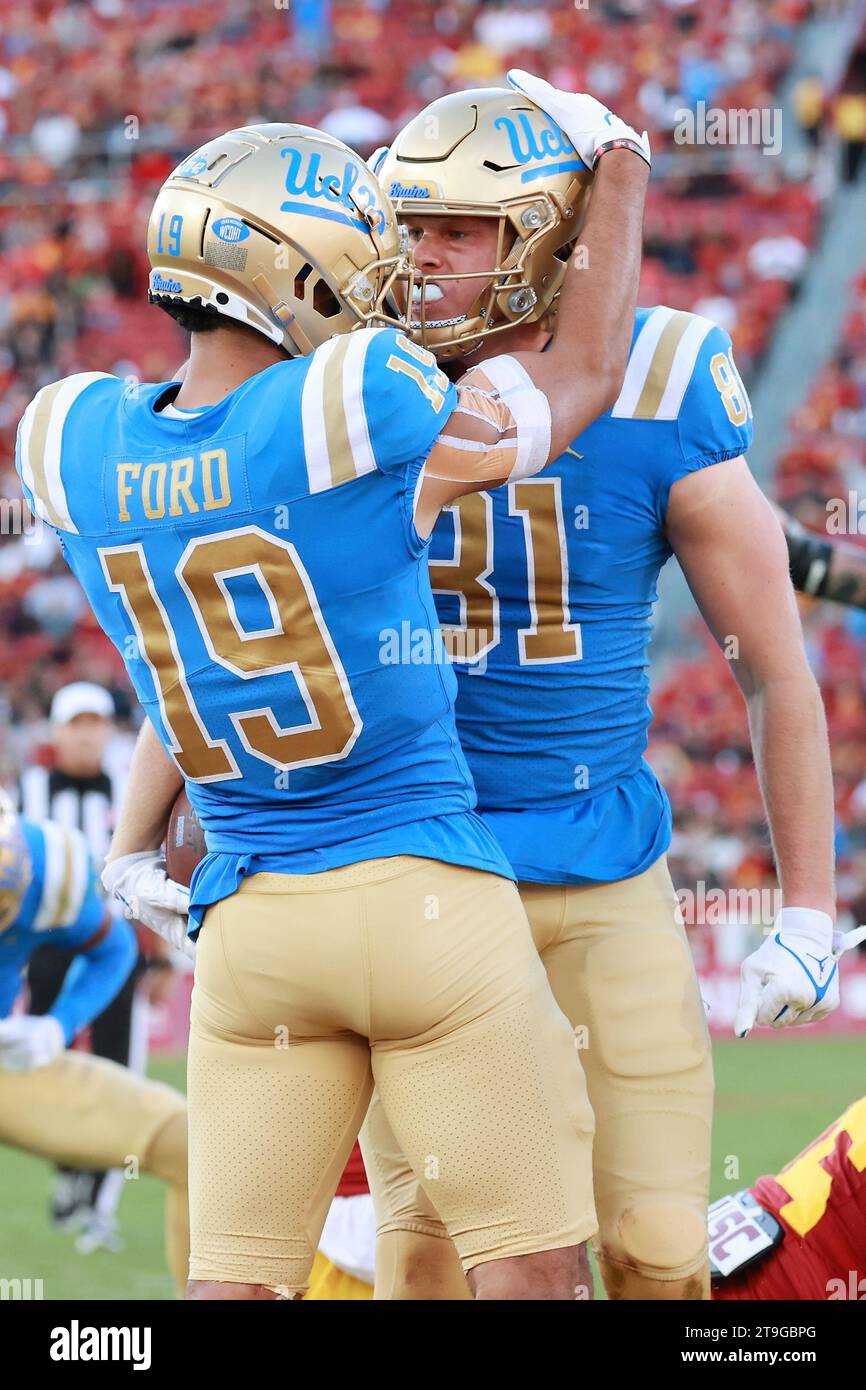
pixel 506 295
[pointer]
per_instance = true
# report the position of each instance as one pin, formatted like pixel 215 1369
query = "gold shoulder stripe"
pixel 64 894
pixel 660 366
pixel 43 407
pixel 340 453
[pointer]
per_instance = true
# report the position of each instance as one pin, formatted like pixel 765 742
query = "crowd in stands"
pixel 100 100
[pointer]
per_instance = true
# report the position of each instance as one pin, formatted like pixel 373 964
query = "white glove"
pixel 28 1041
pixel 376 158
pixel 793 977
pixel 590 127
pixel 146 894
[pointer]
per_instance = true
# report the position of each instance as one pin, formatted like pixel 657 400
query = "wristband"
pixel 620 143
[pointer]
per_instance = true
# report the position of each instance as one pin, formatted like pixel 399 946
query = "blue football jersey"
pixel 545 590
pixel 252 562
pixel 62 905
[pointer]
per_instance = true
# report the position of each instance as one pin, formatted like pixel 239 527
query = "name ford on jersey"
pixel 230 229
pixel 163 284
pixel 304 179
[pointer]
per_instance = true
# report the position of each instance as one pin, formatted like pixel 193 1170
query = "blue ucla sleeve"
pixel 38 448
pixel 715 421
pixel 406 399
pixel 685 396
pixel 95 978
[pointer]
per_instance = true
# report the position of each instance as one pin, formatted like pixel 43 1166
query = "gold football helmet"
pixel 16 865
pixel 280 227
pixel 488 153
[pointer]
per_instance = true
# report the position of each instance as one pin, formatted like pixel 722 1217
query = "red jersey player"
pixel 801 1234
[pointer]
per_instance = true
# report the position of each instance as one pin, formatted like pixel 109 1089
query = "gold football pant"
pixel 86 1112
pixel 621 971
pixel 422 976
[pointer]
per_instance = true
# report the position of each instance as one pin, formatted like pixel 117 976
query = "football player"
pixel 254 540
pixel 802 1233
pixel 70 1107
pixel 823 566
pixel 545 592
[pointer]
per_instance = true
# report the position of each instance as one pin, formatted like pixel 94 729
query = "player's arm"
pixel 831 569
pixel 107 954
pixel 516 412
pixel 134 875
pixel 151 790
pixel 101 967
pixel 732 550
pixel 582 371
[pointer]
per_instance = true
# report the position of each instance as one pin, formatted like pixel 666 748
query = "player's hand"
pixel 375 160
pixel 28 1041
pixel 793 977
pixel 590 127
pixel 139 883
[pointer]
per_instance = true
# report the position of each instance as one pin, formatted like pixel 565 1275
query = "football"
pixel 184 841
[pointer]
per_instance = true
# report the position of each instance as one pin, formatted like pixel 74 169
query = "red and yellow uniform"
pixel 820 1201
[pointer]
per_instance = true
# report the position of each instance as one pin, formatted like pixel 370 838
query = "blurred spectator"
pixel 849 119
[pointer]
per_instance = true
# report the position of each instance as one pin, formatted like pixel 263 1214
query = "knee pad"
pixel 167 1152
pixel 657 1250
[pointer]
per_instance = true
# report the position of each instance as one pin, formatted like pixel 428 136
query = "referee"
pixel 77 792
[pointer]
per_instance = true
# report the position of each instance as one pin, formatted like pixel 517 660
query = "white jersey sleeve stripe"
pixel 27 478
pixel 67 394
pixel 353 400
pixel 67 876
pixel 640 362
pixel 682 367
pixel 315 439
pixel 79 877
pixel 55 863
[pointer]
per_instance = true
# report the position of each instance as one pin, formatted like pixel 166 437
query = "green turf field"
pixel 773 1096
